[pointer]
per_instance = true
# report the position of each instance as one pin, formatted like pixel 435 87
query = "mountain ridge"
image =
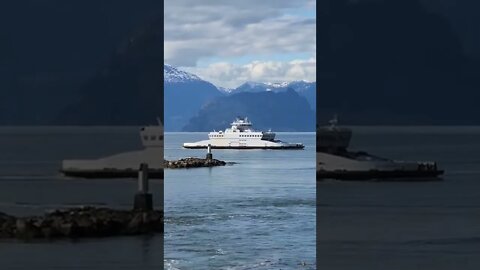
pixel 280 111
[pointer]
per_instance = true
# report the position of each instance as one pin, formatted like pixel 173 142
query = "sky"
pixel 230 42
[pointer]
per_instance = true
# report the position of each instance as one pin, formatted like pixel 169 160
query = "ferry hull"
pixel 394 175
pixel 331 166
pixel 282 147
pixel 111 173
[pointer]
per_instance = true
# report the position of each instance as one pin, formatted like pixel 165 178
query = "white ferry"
pixel 335 161
pixel 241 135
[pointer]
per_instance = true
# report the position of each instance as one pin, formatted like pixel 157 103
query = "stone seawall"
pixel 192 162
pixel 81 222
pixel 153 173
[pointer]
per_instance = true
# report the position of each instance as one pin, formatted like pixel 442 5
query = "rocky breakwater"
pixel 192 162
pixel 81 222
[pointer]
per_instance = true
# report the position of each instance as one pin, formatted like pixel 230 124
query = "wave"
pixel 172 264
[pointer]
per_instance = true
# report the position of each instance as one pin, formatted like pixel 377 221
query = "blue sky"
pixel 229 42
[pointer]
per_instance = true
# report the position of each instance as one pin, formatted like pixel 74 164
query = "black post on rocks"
pixel 143 199
pixel 209 152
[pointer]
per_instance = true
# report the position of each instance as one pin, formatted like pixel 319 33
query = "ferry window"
pixel 145 138
pixel 153 137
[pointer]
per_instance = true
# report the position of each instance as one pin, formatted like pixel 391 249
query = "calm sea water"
pixel 259 213
pixel 30 184
pixel 256 214
pixel 429 225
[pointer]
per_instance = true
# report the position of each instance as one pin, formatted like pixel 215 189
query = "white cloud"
pixel 230 75
pixel 196 30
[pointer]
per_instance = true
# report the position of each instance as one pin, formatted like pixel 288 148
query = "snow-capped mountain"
pixel 225 90
pixel 255 87
pixel 281 111
pixel 174 75
pixel 304 88
pixel 188 97
pixel 185 93
pixel 275 86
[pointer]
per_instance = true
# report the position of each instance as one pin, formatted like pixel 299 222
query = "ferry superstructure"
pixel 335 161
pixel 241 135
